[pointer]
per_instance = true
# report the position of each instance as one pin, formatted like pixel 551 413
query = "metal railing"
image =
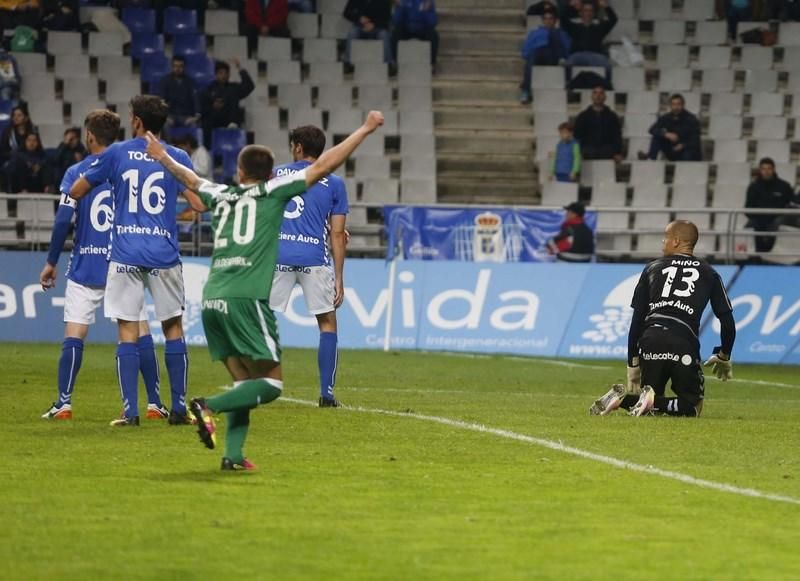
pixel 31 230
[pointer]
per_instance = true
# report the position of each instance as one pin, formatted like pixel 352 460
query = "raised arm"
pixel 336 156
pixel 183 174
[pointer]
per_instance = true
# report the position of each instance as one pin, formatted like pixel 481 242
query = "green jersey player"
pixel 240 327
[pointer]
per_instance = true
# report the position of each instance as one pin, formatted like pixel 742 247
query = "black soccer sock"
pixel 629 401
pixel 674 406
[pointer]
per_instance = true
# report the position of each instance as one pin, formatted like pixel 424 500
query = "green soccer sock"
pixel 246 395
pixel 238 423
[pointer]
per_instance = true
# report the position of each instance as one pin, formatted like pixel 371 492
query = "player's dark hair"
pixel 312 139
pixel 152 110
pixel 677 96
pixel 104 125
pixel 256 162
pixel 767 161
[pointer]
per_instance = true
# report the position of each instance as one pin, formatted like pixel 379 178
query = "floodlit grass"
pixel 348 494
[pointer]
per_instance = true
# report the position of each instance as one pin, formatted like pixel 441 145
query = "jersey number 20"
pixel 244 222
pixel 688 277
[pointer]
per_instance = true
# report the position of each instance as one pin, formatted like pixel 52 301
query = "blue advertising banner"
pixel 602 317
pixel 473 235
pixel 766 306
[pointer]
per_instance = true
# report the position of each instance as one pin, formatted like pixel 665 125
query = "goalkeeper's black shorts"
pixel 665 355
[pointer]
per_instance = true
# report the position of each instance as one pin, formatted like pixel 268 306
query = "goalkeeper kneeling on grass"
pixel 663 344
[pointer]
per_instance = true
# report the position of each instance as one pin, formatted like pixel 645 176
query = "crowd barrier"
pixel 543 310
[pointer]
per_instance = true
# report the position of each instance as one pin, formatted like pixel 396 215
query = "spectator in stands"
pixel 370 20
pixel 9 77
pixel 544 46
pixel 262 19
pixel 675 134
pixel 178 90
pixel 69 152
pixel 61 15
pixel 201 159
pixel 736 11
pixel 767 191
pixel 540 8
pixel 220 101
pixel 302 6
pixel 27 170
pixel 15 13
pixel 416 19
pixel 575 240
pixel 588 34
pixel 599 130
pixel 13 137
pixel 567 159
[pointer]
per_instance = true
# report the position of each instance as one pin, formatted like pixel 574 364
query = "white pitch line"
pixel 559 447
pixel 761 382
pixel 558 362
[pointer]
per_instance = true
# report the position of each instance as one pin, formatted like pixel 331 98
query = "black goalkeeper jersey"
pixel 674 291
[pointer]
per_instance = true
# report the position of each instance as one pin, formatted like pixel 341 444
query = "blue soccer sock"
pixel 68 366
pixel 327 357
pixel 128 376
pixel 148 366
pixel 177 362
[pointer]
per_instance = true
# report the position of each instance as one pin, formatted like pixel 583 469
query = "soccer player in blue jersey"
pixel 303 256
pixel 144 253
pixel 87 270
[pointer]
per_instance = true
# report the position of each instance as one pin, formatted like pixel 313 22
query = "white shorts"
pixel 81 302
pixel 125 291
pixel 316 282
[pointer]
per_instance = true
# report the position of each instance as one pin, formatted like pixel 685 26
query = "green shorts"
pixel 241 328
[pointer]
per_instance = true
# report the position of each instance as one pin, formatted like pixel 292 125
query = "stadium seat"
pixel 320 50
pixel 380 191
pixel 334 25
pixel 418 191
pixel 154 67
pixel 672 56
pixel 262 117
pixel 691 196
pixel 325 73
pixel 303 25
pixel 31 63
pixel 221 22
pixel 105 43
pixel 416 122
pixel 371 73
pixel 655 10
pixel 545 145
pixel 79 89
pixel 342 121
pixel 372 167
pixel 37 87
pixel 415 99
pixel 629 79
pixel 691 173
pixel 596 172
pixel 413 51
pixel 139 20
pixel 710 32
pixel 307 116
pixel 698 10
pixel 625 28
pixel 60 43
pixel 189 44
pixel 766 104
pixel 374 145
pixel 41 212
pixel 46 111
pixel 769 128
pixel 228 47
pixel 650 195
pixel 672 80
pixel 283 72
pixel 778 150
pixel 549 101
pixel 334 96
pixel 546 124
pixel 73 66
pixel 714 57
pixel 559 193
pixel 414 75
pixel 756 57
pixel 179 21
pixel 669 32
pixel 730 150
pixel 727 103
pixel 647 172
pixel 417 167
pixel 418 145
pixel 200 68
pixel 121 90
pixel 79 109
pixel 789 34
pixel 760 80
pixel 717 80
pixel 51 134
pixel 294 95
pixel 146 42
pixel 787 171
pixel 643 102
pixel 725 127
pixel 791 58
pixel 733 173
pixel 374 97
pixel 638 125
pixel 548 78
pixel 225 140
pixel 609 194
pixel 114 67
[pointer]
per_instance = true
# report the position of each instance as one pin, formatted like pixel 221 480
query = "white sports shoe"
pixel 63 412
pixel 609 402
pixel 645 403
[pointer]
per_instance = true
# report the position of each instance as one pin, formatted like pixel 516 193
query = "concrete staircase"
pixel 484 137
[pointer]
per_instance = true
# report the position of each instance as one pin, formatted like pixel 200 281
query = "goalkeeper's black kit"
pixel 667 306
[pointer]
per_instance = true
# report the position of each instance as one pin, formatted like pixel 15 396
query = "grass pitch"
pixel 342 494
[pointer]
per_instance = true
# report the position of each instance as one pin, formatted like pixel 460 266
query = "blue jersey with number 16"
pixel 88 263
pixel 145 195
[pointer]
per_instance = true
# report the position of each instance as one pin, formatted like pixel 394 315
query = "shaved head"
pixel 680 237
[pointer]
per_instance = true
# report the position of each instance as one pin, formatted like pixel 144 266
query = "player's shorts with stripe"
pixel 81 302
pixel 317 283
pixel 241 328
pixel 126 285
pixel 665 355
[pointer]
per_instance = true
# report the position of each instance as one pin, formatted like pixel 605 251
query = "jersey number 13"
pixel 688 277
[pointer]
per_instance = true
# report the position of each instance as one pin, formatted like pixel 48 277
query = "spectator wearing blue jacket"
pixel 567 159
pixel 416 19
pixel 544 46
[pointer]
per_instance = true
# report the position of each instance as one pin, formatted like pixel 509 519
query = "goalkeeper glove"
pixel 634 377
pixel 721 365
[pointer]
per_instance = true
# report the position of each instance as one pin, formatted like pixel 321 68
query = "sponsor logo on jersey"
pixel 674 304
pixel 296 212
pixel 683 359
pixel 284 268
pixel 92 249
pixel 220 305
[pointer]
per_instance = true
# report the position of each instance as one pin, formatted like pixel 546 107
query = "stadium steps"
pixel 484 137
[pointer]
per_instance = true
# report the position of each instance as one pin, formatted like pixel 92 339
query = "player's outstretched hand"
pixel 155 148
pixel 47 278
pixel 634 377
pixel 374 120
pixel 721 366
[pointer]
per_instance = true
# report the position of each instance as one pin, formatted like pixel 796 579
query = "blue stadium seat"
pixel 139 20
pixel 5 114
pixel 201 69
pixel 145 43
pixel 178 21
pixel 189 44
pixel 154 66
pixel 174 133
pixel 227 143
